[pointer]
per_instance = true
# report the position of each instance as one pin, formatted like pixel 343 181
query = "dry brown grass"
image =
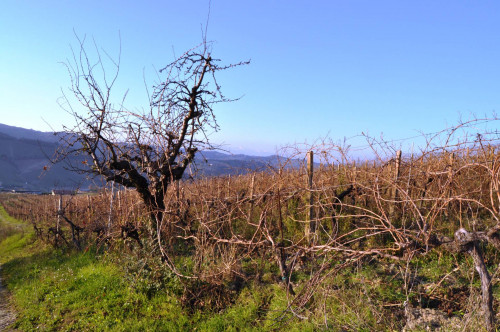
pixel 229 226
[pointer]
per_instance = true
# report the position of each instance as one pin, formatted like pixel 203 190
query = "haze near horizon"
pixel 323 69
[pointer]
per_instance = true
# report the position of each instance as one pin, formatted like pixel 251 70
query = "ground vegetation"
pixel 396 238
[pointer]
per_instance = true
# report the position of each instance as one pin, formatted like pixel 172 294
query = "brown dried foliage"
pixel 361 209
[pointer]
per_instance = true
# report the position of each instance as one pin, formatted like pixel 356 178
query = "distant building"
pixel 63 192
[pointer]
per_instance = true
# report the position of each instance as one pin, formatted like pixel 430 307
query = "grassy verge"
pixel 87 291
pixel 65 290
pixel 57 290
pixel 8 225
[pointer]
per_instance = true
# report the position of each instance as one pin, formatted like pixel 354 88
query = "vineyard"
pixel 336 243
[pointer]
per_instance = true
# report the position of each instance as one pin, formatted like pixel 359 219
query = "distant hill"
pixel 213 163
pixel 30 134
pixel 25 165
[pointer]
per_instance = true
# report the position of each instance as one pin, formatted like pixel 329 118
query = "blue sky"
pixel 318 68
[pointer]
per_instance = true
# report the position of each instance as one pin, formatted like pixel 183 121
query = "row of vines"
pixel 224 231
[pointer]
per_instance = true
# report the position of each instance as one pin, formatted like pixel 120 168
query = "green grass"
pixel 69 291
pixel 9 225
pixel 58 290
pixel 65 290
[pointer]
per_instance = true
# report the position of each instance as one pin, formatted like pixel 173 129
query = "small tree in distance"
pixel 146 150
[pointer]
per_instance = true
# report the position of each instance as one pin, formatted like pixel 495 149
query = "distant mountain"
pixel 213 163
pixel 25 165
pixel 30 134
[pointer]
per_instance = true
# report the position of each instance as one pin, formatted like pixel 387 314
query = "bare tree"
pixel 149 149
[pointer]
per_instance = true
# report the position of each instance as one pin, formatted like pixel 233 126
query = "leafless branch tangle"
pixel 362 209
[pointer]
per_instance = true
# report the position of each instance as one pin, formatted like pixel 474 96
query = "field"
pixel 339 244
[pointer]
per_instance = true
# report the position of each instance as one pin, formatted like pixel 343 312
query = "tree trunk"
pixel 469 242
pixel 486 292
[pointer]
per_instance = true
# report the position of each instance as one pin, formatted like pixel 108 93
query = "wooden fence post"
pixel 396 179
pixel 119 200
pixel 311 226
pixel 354 179
pixel 111 199
pixel 252 191
pixel 177 191
pixel 450 171
pixel 409 188
pixel 58 226
pixel 492 156
pixel 450 183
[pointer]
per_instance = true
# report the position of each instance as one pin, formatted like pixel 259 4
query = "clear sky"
pixel 318 68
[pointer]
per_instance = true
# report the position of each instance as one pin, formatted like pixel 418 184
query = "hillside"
pixel 25 165
pixel 30 134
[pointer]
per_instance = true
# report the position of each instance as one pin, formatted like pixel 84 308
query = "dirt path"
pixel 7 316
